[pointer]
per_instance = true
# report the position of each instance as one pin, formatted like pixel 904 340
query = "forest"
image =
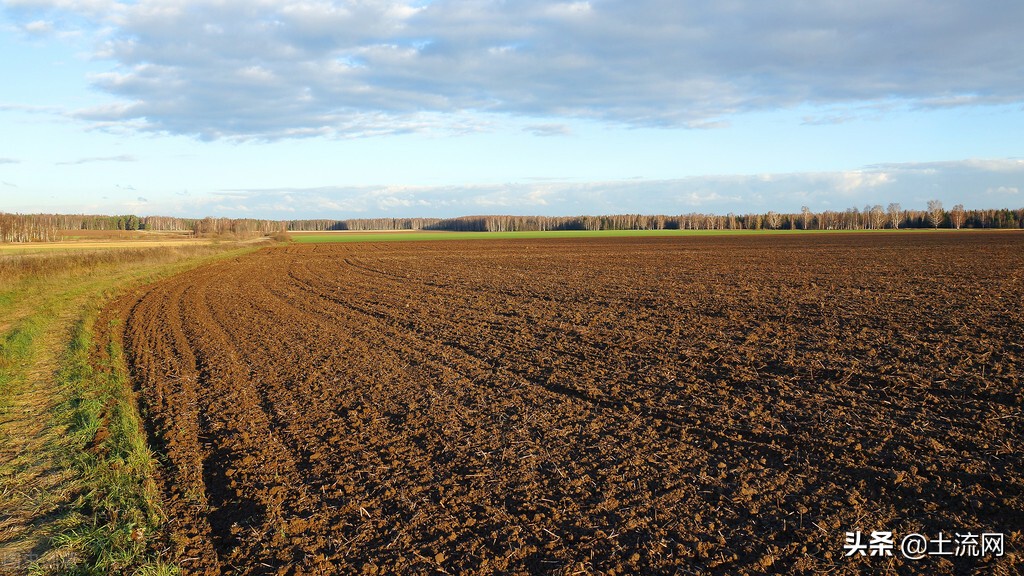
pixel 56 227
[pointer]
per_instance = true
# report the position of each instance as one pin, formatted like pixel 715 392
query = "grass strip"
pixel 427 235
pixel 110 524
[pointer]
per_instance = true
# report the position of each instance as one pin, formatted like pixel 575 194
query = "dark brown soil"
pixel 619 406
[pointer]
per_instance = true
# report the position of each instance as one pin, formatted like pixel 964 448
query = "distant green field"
pixel 419 235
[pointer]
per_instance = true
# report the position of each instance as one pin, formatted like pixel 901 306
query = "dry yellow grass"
pixel 77 245
pixel 46 260
pixel 79 240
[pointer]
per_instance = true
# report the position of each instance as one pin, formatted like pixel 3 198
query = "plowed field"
pixel 619 406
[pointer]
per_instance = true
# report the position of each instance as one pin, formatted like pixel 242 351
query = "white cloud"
pixel 299 68
pixel 537 197
pixel 706 197
pixel 90 160
pixel 30 108
pixel 854 181
pixel 1003 165
pixel 38 27
pixel 548 129
pixel 569 9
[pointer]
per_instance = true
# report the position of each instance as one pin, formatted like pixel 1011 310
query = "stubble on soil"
pixel 615 406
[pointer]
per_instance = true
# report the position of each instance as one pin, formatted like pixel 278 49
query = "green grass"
pixel 426 235
pixel 117 509
pixel 15 356
pixel 431 235
pixel 101 513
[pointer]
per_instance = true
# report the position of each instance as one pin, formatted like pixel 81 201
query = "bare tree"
pixel 935 212
pixel 805 212
pixel 851 219
pixel 895 215
pixel 773 219
pixel 957 216
pixel 877 217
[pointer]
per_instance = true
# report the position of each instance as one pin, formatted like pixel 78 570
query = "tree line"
pixel 54 227
pixel 870 218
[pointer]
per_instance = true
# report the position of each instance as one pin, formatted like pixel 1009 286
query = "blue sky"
pixel 313 109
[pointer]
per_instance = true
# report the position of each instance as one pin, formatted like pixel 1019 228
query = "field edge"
pixel 107 515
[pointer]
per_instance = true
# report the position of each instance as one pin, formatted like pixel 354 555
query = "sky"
pixel 439 108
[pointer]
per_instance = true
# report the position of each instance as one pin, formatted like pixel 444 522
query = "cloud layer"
pixel 278 69
pixel 974 183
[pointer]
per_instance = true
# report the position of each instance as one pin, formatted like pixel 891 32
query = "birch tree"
pixel 895 215
pixel 935 213
pixel 957 216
